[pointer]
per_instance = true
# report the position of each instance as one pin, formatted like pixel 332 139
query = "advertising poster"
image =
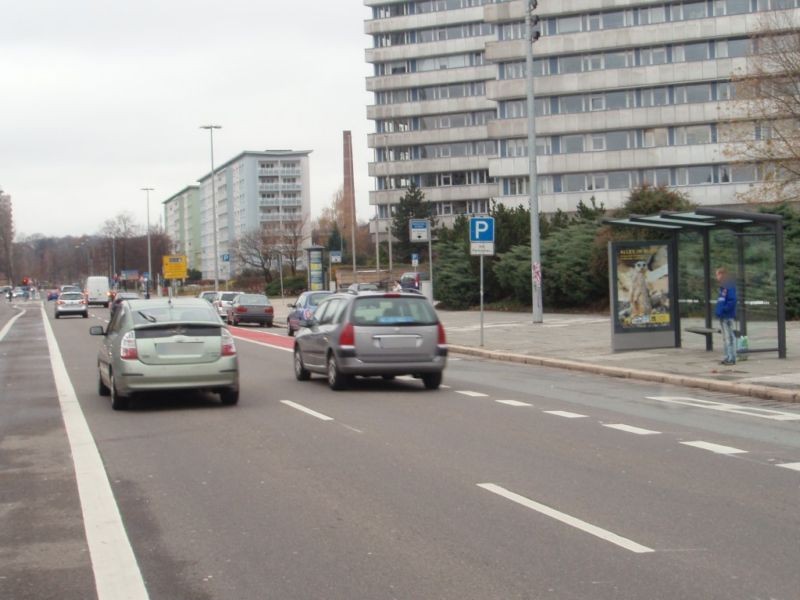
pixel 643 296
pixel 315 272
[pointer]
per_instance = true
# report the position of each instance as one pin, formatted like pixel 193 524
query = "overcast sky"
pixel 101 98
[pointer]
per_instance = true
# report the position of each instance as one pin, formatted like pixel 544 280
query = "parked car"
pixel 52 295
pixel 250 308
pixel 223 301
pixel 71 303
pixel 166 344
pixel 384 334
pixel 413 279
pixel 362 287
pixel 118 298
pixel 208 296
pixel 303 308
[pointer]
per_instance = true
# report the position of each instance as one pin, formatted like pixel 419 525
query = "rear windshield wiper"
pixel 146 317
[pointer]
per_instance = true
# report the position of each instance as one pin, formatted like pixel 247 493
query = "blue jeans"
pixel 728 340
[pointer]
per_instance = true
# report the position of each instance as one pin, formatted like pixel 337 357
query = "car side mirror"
pixel 96 330
pixel 290 305
pixel 309 323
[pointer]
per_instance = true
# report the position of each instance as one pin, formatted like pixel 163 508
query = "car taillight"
pixel 228 345
pixel 348 335
pixel 442 336
pixel 59 302
pixel 84 301
pixel 269 310
pixel 241 309
pixel 127 347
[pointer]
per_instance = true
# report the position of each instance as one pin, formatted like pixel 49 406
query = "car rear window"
pixel 173 314
pixel 393 311
pixel 227 297
pixel 253 300
pixel 315 299
pixel 71 296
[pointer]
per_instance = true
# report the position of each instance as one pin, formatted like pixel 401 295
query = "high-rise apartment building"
pixel 182 224
pixel 255 191
pixel 627 92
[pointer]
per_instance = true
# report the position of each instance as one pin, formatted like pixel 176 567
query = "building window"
pixel 658 136
pixel 731 7
pixel 656 177
pixel 654 56
pixel 695 134
pixel 690 94
pixel 571 144
pixel 571 24
pixel 700 175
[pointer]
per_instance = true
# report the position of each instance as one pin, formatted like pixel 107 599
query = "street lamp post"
pixel 147 191
pixel 536 261
pixel 211 129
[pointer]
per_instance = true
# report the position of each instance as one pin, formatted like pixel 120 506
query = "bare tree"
pixel 764 125
pixel 257 250
pixel 289 238
pixel 6 237
pixel 122 228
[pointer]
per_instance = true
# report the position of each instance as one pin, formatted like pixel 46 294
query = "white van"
pixel 97 291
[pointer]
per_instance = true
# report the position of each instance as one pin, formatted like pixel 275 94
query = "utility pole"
pixel 211 129
pixel 532 35
pixel 147 191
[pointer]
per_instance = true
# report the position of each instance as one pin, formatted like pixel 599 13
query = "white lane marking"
pixel 9 325
pixel 241 339
pixel 715 448
pixel 564 413
pixel 631 429
pixel 792 466
pixel 116 572
pixel 308 411
pixel 748 411
pixel 472 394
pixel 444 387
pixel 513 403
pixel 594 530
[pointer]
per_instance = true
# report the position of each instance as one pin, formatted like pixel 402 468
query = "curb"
pixel 742 389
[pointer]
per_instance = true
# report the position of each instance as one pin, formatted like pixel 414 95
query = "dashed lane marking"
pixel 513 403
pixel 594 530
pixel 564 413
pixel 631 429
pixel 792 466
pixel 307 410
pixel 116 572
pixel 715 448
pixel 472 394
pixel 748 411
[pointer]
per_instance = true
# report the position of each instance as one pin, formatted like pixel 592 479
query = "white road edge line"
pixel 513 403
pixel 308 411
pixel 263 344
pixel 594 530
pixel 631 429
pixel 116 572
pixel 715 448
pixel 564 413
pixel 792 466
pixel 472 394
pixel 10 324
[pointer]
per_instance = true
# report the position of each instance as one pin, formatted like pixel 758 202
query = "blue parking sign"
pixel 481 229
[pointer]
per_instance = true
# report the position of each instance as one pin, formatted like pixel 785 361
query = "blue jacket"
pixel 726 302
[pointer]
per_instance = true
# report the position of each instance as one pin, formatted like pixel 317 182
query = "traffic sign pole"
pixel 481 300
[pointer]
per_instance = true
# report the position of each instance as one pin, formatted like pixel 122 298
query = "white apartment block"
pixel 627 92
pixel 254 190
pixel 182 224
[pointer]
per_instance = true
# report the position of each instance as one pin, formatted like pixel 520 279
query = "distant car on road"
pixel 303 308
pixel 166 344
pixel 223 301
pixel 413 279
pixel 52 295
pixel 70 288
pixel 97 290
pixel 71 304
pixel 383 334
pixel 208 296
pixel 250 308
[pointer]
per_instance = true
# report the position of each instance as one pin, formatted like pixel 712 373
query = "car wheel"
pixel 432 381
pixel 336 379
pixel 102 388
pixel 300 371
pixel 269 323
pixel 118 402
pixel 86 315
pixel 55 316
pixel 229 397
pixel 289 330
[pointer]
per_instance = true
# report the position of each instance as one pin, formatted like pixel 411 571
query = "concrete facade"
pixel 254 191
pixel 182 222
pixel 628 92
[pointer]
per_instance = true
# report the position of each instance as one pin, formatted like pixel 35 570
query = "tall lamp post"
pixel 536 260
pixel 211 129
pixel 147 191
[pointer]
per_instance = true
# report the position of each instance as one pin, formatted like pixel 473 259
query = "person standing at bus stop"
pixel 726 313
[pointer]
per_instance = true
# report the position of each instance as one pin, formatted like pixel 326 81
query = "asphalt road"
pixel 510 482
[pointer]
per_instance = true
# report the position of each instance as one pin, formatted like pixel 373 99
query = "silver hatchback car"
pixel 166 344
pixel 372 335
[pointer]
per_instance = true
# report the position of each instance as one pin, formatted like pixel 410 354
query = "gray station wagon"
pixel 371 334
pixel 166 344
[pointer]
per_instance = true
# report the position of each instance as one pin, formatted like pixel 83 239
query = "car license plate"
pixel 180 348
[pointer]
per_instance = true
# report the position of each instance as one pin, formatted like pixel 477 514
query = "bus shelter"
pixel 664 325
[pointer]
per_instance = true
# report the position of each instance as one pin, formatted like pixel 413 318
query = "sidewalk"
pixel 584 342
